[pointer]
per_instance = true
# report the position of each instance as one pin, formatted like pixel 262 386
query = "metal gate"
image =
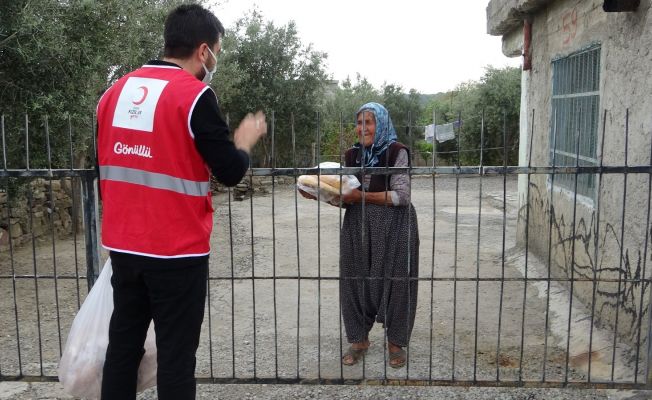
pixel 522 282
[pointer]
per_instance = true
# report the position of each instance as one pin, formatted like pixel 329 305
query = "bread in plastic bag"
pixel 82 361
pixel 328 187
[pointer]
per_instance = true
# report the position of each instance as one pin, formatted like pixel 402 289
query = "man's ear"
pixel 201 53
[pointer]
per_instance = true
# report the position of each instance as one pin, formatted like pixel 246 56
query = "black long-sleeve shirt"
pixel 212 141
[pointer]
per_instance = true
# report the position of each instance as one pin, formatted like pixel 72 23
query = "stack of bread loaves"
pixel 327 183
pixel 327 187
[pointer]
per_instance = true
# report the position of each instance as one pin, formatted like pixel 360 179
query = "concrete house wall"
pixel 560 28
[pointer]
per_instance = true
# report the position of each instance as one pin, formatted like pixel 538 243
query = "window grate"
pixel 575 115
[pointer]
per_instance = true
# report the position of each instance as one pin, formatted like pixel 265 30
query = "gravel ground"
pixel 51 391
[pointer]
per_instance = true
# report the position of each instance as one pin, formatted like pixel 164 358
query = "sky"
pixel 428 45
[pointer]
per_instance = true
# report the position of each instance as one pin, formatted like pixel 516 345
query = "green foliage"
pixel 266 67
pixel 56 59
pixel 497 95
pixel 425 150
pixel 404 110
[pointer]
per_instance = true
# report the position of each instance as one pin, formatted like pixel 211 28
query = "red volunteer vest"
pixel 154 184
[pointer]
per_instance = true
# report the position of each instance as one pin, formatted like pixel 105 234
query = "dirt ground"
pixel 289 327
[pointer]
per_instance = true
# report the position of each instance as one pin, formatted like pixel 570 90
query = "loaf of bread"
pixel 333 180
pixel 326 183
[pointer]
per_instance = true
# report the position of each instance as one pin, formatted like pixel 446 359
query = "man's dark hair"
pixel 187 27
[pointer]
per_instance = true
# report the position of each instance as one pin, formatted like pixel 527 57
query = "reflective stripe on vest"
pixel 154 180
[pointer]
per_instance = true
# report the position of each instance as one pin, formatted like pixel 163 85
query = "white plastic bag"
pixel 326 192
pixel 80 368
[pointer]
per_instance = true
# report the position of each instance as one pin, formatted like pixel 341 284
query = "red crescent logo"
pixel 142 99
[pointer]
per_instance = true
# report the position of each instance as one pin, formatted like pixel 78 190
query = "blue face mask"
pixel 208 77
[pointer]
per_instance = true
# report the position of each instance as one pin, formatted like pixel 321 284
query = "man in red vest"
pixel 160 133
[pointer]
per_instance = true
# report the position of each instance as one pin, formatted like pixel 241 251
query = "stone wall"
pixel 44 217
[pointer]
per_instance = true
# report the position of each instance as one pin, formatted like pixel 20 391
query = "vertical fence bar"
pixel 622 247
pixel 365 255
pixel 94 130
pixel 477 254
pixel 232 286
pixel 232 276
pixel 230 192
pixel 89 205
pixel 572 272
pixel 647 237
pixel 11 250
pixel 4 159
pixel 13 288
pixel 90 215
pixel 339 303
pixel 30 203
pixel 210 318
pixel 273 129
pixel 75 208
pixel 502 275
pixel 296 226
pixel 26 142
pixel 2 130
pixel 434 213
pixel 551 212
pixel 4 142
pixel 253 263
pixel 210 322
pixel 409 246
pixel 318 155
pixel 597 242
pixel 457 206
pixel 648 365
pixel 52 211
pixel 210 325
pixel 527 243
pixel 385 283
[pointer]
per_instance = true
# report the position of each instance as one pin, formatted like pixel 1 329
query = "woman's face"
pixel 366 128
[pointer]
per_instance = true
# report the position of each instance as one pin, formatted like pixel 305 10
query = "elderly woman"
pixel 379 242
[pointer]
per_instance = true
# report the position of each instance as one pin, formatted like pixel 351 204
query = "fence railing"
pixel 519 283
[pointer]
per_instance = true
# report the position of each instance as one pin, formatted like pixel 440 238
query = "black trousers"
pixel 173 294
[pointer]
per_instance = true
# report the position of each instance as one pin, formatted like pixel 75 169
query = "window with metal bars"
pixel 574 119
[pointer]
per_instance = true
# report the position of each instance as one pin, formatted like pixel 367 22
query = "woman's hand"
pixel 307 195
pixel 355 196
pixel 335 202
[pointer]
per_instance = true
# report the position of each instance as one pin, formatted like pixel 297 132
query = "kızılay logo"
pixel 137 103
pixel 140 101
